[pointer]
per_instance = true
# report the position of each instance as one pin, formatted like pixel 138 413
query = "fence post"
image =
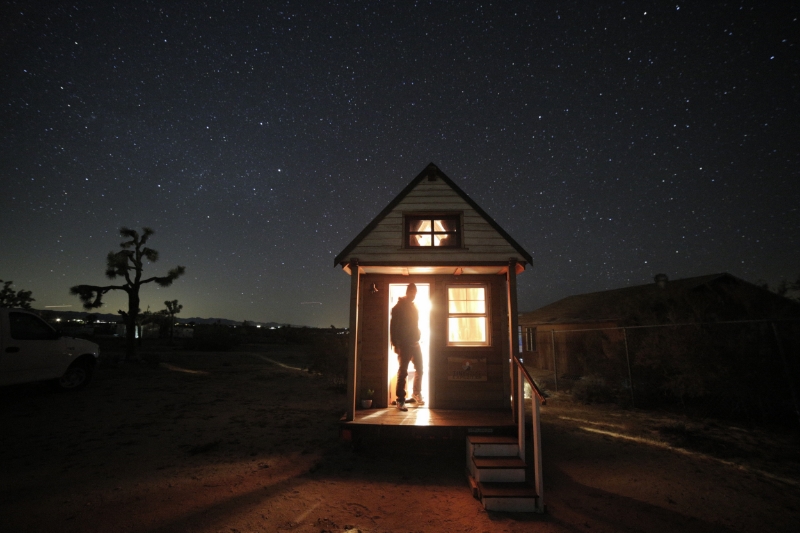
pixel 628 360
pixel 555 367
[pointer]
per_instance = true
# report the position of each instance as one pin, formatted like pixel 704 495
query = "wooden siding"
pixel 474 395
pixel 374 339
pixel 481 242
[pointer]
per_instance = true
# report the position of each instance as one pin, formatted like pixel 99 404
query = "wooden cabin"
pixel 435 235
pixel 585 334
pixel 464 266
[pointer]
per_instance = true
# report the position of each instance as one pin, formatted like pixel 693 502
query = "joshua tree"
pixel 128 263
pixel 9 298
pixel 173 308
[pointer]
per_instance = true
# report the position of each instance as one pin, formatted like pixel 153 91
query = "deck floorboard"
pixel 422 416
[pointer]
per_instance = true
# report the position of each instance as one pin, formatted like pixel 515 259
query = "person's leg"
pixel 416 358
pixel 402 374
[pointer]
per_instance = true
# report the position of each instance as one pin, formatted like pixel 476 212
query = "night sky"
pixel 612 140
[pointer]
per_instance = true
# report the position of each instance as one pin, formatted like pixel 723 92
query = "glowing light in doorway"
pixel 423 303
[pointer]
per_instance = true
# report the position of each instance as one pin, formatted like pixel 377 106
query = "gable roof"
pixel 712 297
pixel 431 171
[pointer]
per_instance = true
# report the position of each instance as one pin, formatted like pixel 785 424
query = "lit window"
pixel 467 316
pixel 433 230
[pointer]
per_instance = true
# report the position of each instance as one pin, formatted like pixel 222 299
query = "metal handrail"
pixel 537 434
pixel 530 380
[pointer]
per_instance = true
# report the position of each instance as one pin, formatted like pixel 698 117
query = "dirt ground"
pixel 237 442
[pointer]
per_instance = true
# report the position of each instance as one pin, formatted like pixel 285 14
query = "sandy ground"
pixel 237 443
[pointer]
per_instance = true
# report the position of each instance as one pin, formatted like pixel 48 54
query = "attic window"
pixel 433 230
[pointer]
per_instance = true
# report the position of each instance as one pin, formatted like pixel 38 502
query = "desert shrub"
pixel 213 338
pixel 729 371
pixel 749 379
pixel 593 389
pixel 668 365
pixel 329 355
pixel 153 358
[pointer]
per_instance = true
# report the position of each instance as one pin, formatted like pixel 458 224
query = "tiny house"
pixel 464 266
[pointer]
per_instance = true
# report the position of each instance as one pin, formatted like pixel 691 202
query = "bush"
pixel 329 355
pixel 213 338
pixel 592 389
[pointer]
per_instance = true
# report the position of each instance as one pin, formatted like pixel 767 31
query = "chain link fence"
pixel 746 370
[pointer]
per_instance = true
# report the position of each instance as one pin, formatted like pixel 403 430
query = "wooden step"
pixel 491 446
pixel 473 486
pixel 507 469
pixel 510 497
pixel 491 439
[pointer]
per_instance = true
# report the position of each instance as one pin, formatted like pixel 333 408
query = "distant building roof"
pixel 713 297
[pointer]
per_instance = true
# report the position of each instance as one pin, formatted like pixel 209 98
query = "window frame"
pixel 529 334
pixel 455 235
pixel 487 314
pixel 28 327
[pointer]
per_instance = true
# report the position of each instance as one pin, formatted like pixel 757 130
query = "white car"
pixel 31 350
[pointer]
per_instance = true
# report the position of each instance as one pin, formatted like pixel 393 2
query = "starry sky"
pixel 612 140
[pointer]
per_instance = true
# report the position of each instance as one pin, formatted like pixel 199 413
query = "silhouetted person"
pixel 405 334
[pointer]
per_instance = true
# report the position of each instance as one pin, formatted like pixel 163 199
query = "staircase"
pixel 496 474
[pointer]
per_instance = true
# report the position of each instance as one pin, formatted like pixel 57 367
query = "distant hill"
pixel 108 317
pixel 226 322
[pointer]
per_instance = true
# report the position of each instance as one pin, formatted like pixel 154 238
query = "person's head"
pixel 411 291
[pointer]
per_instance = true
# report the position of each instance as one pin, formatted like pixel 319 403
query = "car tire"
pixel 77 376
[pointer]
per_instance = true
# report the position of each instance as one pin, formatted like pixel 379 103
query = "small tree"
pixel 9 298
pixel 173 308
pixel 789 289
pixel 128 263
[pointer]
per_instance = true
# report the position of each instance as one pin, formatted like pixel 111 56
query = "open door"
pixel 423 303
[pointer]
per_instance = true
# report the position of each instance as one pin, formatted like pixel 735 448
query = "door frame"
pixel 398 288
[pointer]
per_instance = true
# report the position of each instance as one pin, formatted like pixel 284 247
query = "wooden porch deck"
pixel 421 422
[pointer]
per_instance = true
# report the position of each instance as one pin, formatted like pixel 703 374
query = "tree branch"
pixel 92 295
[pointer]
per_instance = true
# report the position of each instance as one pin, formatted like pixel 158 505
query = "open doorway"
pixel 423 303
